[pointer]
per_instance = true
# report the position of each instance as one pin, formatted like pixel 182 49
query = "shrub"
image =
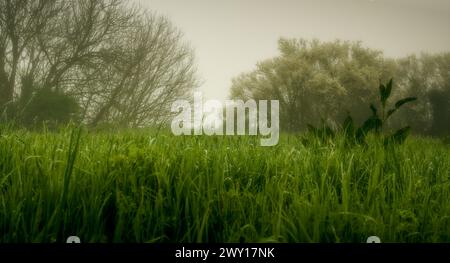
pixel 375 123
pixel 51 108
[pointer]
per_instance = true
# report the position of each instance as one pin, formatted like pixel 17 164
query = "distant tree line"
pixel 107 62
pixel 92 61
pixel 322 82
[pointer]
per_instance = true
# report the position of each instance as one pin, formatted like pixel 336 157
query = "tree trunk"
pixel 6 91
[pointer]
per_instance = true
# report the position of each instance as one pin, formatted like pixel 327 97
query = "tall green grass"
pixel 134 186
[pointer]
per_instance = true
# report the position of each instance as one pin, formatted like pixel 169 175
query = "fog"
pixel 229 37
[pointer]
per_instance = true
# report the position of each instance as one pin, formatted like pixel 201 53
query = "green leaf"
pixel 399 136
pixel 390 112
pixel 372 124
pixel 404 101
pixel 389 88
pixel 385 92
pixel 374 109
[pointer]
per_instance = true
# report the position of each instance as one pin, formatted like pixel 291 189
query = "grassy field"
pixel 134 186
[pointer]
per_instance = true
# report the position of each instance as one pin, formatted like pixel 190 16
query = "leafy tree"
pixel 440 97
pixel 317 83
pixel 426 76
pixel 440 101
pixel 316 80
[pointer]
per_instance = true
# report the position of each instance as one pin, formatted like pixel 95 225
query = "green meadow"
pixel 143 186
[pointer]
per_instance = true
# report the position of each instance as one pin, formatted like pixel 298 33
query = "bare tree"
pixel 21 21
pixel 122 65
pixel 153 68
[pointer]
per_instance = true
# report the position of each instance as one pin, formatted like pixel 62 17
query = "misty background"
pixel 121 64
pixel 229 37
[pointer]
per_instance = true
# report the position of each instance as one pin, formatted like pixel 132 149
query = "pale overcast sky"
pixel 230 36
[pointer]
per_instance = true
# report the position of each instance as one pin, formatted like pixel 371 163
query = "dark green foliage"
pixel 440 104
pixel 399 104
pixel 398 137
pixel 446 140
pixel 385 92
pixel 375 123
pixel 50 107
